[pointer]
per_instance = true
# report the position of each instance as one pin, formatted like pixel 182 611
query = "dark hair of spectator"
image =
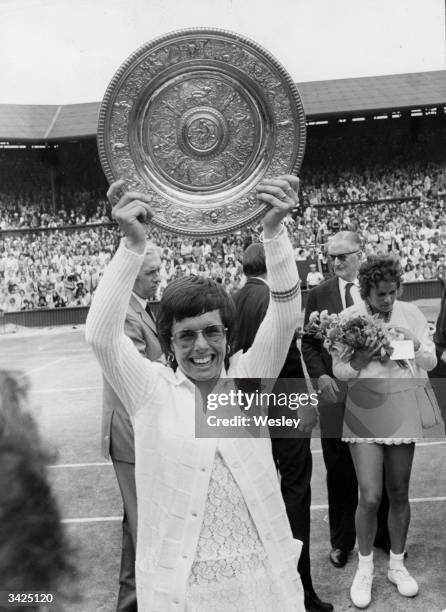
pixel 254 260
pixel 192 296
pixel 378 268
pixel 34 551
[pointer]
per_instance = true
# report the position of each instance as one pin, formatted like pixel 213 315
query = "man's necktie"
pixel 348 295
pixel 150 313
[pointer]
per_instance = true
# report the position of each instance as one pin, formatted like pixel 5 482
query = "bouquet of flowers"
pixel 344 335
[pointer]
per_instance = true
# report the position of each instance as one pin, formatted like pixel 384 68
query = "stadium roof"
pixel 374 94
pixel 321 99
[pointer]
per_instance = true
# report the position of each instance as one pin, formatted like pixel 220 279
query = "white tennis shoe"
pixel 361 589
pixel 405 584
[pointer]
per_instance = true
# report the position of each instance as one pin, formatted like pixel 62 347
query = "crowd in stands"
pixel 417 181
pixel 53 269
pixel 26 214
pixel 51 187
pixel 380 183
pixel 396 204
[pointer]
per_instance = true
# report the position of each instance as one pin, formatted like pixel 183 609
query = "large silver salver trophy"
pixel 196 119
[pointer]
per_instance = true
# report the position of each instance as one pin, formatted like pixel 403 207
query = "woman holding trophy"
pixel 212 528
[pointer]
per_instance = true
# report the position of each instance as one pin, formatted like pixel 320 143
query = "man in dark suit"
pixel 438 374
pixel 292 455
pixel 335 294
pixel 117 429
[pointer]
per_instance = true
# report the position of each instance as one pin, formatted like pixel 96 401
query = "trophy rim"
pixel 295 96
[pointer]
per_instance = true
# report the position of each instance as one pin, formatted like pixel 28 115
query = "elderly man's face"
pixel 345 257
pixel 148 277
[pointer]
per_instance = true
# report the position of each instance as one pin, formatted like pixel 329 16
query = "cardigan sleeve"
pixel 425 357
pixel 269 349
pixel 343 370
pixel 126 370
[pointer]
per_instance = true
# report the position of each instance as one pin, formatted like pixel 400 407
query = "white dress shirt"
pixel 354 291
pixel 140 300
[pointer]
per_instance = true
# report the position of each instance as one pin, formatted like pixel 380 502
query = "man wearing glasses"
pixel 334 295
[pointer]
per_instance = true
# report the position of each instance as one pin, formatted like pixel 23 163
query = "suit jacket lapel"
pixel 143 314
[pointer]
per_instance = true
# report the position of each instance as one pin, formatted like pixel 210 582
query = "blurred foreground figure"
pixel 33 547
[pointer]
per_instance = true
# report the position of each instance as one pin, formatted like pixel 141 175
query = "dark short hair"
pixel 192 296
pixel 378 268
pixel 254 263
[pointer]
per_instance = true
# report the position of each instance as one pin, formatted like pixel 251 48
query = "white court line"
pixel 415 500
pixel 38 353
pixel 436 443
pixel 95 519
pixel 80 465
pixel 64 390
pixel 56 343
pixel 42 367
pixel 106 519
pixel 419 500
pixel 103 463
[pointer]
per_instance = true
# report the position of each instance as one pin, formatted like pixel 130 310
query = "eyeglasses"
pixel 341 256
pixel 186 338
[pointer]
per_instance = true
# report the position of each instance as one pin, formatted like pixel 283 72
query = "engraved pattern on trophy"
pixel 195 119
pixel 203 132
pixel 200 132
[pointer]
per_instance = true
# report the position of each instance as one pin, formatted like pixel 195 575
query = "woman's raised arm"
pixel 127 371
pixel 267 354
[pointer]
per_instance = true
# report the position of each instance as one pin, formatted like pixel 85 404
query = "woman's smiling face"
pixel 203 358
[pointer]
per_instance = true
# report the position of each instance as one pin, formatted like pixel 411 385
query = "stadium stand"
pixel 374 163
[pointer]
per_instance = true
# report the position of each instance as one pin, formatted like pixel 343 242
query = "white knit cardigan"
pixel 173 467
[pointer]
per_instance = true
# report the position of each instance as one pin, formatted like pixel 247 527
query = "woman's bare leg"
pixel 368 461
pixel 398 459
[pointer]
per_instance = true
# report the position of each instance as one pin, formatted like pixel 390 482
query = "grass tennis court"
pixel 66 399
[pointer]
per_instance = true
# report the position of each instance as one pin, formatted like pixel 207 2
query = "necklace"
pixel 385 316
